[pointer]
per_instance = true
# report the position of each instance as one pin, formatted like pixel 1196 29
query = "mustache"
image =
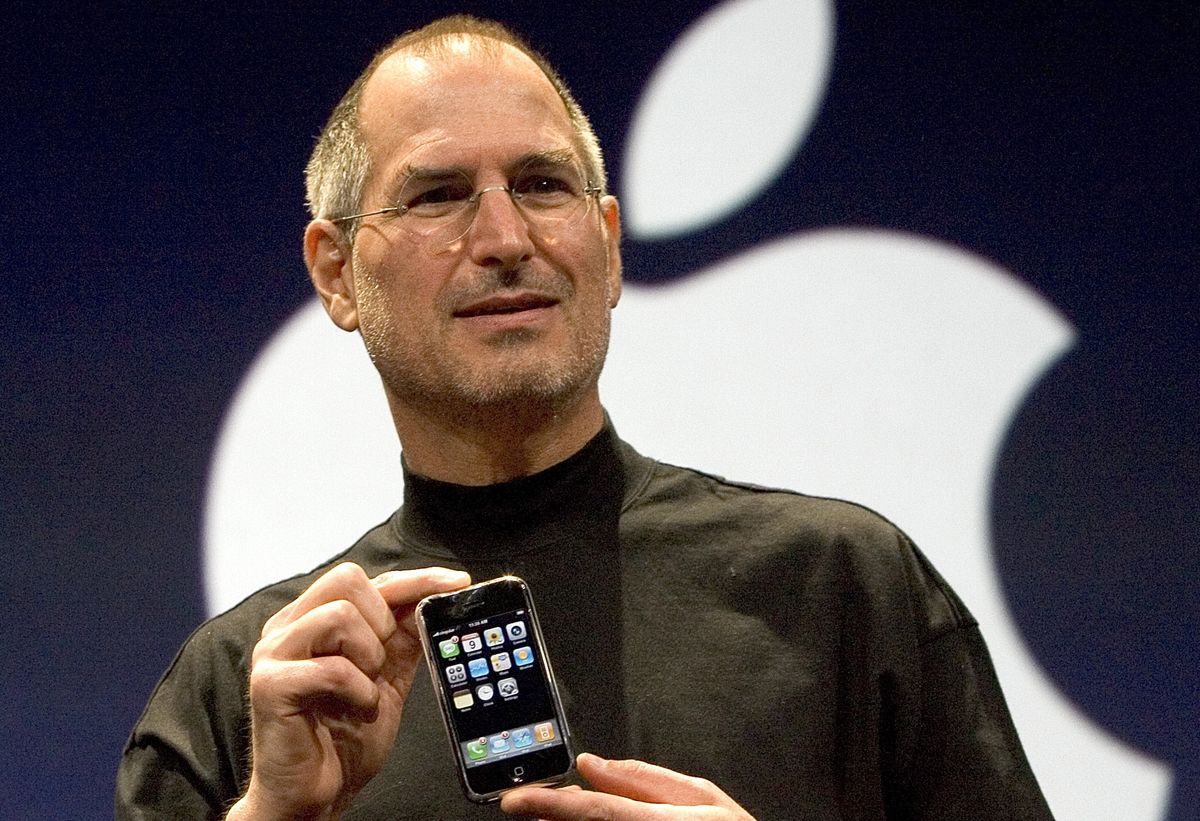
pixel 492 283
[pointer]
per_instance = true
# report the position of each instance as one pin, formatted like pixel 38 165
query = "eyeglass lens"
pixel 439 209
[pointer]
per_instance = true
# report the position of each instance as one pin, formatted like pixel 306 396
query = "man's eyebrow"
pixel 422 173
pixel 548 158
pixel 545 158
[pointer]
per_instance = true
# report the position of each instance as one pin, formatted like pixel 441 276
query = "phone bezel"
pixel 493 597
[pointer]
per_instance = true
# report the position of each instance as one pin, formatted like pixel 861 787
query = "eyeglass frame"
pixel 590 189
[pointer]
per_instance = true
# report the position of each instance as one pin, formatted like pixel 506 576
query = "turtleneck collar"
pixel 524 515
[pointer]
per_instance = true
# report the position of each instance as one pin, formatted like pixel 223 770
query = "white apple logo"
pixel 873 366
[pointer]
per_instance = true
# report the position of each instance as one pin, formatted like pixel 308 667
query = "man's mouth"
pixel 506 304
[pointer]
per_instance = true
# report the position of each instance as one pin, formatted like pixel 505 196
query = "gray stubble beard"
pixel 514 394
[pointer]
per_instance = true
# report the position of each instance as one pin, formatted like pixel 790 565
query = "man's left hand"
pixel 624 791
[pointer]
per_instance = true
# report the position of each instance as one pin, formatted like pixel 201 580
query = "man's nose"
pixel 499 232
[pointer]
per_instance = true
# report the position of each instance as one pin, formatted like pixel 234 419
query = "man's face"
pixel 509 313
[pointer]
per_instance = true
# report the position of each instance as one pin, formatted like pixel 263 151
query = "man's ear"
pixel 610 212
pixel 327 255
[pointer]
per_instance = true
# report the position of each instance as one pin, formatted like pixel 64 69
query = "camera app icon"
pixel 516 631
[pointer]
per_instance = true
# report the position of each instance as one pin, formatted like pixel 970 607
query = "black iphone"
pixel 494 684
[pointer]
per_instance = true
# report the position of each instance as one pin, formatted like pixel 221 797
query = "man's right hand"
pixel 328 682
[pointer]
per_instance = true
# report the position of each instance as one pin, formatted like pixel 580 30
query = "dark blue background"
pixel 152 213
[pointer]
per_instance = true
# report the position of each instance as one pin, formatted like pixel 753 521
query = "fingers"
pixel 373 599
pixel 332 686
pixel 345 582
pixel 328 682
pixel 336 628
pixel 343 615
pixel 550 804
pixel 648 782
pixel 626 790
pixel 404 588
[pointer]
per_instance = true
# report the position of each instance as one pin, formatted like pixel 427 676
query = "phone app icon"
pixel 507 687
pixel 479 668
pixel 462 699
pixel 523 656
pixel 448 648
pixel 544 731
pixel 485 692
pixel 471 643
pixel 522 737
pixel 477 749
pixel 501 662
pixel 456 674
pixel 499 743
pixel 516 631
pixel 494 636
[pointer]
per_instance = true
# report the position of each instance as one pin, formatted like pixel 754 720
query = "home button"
pixel 518 775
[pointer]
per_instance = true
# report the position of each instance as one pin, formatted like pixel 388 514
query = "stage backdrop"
pixel 939 260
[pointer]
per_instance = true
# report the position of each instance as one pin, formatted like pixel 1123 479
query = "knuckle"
pixel 348 572
pixel 595 809
pixel 336 672
pixel 281 617
pixel 265 680
pixel 340 611
pixel 636 768
pixel 258 654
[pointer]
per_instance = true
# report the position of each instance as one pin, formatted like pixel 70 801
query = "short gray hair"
pixel 339 166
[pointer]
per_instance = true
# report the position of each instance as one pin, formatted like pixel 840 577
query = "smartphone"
pixel 495 687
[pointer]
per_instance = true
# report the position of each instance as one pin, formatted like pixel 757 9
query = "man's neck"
pixel 488 446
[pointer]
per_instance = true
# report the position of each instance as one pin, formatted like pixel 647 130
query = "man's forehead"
pixel 420 70
pixel 466 95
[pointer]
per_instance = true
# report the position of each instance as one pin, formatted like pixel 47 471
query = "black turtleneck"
pixel 797 651
pixel 515 518
pixel 558 530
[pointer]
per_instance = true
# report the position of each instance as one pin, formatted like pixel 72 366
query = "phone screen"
pixel 495 685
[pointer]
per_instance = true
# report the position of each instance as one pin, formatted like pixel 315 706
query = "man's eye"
pixel 543 186
pixel 441 195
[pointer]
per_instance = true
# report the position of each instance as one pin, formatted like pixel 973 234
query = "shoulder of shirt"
pixel 761 523
pixel 664 481
pixel 226 640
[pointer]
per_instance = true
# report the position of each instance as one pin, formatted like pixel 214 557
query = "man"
pixel 730 651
